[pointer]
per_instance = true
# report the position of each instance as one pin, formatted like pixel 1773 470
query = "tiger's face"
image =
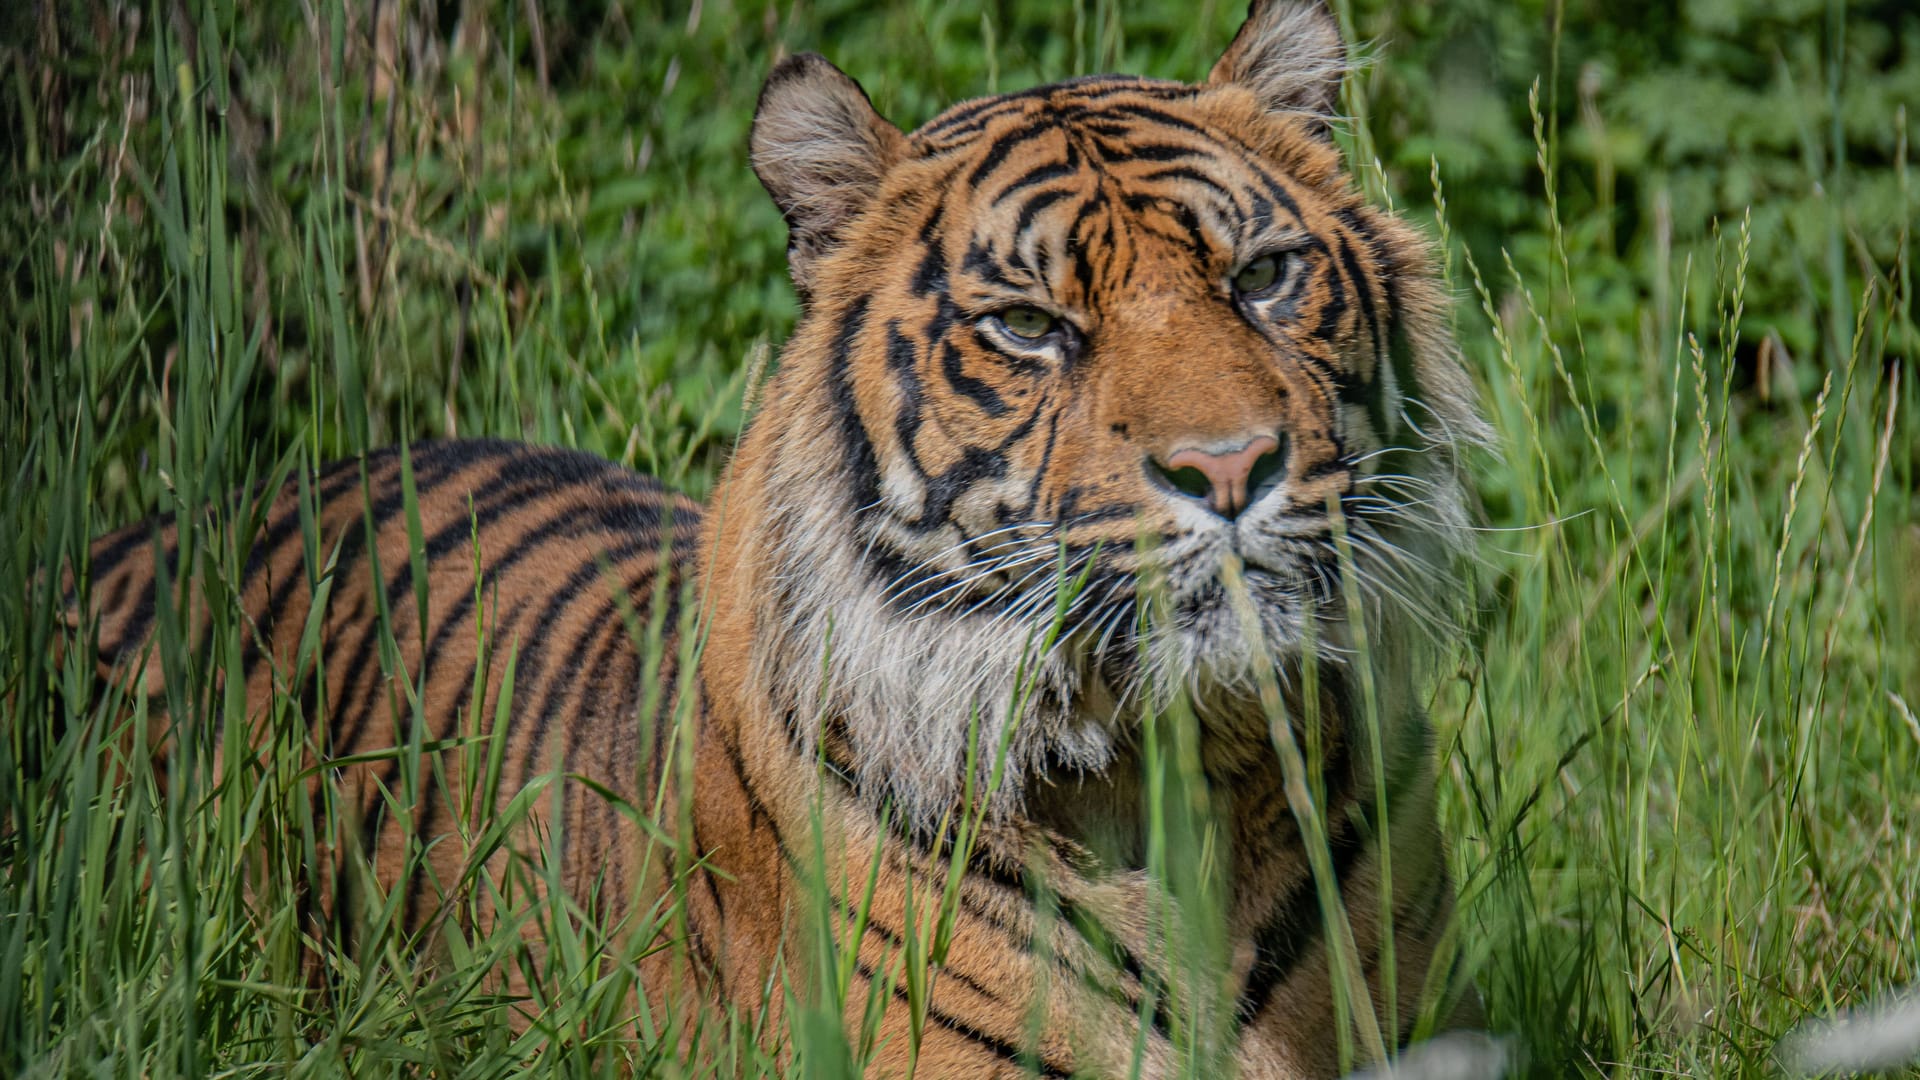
pixel 1132 328
pixel 1126 384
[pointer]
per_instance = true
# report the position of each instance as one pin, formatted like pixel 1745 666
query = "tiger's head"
pixel 1077 363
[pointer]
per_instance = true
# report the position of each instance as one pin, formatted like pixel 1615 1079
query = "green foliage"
pixel 1662 120
pixel 1680 747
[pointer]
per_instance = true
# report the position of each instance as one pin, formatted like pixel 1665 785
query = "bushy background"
pixel 1683 763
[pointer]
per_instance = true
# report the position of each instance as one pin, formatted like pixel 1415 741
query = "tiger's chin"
pixel 1227 613
pixel 1239 610
pixel 1234 624
pixel 1211 641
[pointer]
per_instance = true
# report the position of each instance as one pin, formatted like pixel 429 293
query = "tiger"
pixel 1106 397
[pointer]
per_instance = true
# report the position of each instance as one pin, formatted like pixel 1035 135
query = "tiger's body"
pixel 1141 336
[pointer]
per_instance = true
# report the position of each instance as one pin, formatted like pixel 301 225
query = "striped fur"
pixel 887 554
pixel 533 556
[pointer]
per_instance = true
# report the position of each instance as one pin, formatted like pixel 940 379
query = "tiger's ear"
pixel 1290 54
pixel 820 150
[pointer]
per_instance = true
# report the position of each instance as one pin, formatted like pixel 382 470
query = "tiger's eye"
pixel 1027 322
pixel 1258 275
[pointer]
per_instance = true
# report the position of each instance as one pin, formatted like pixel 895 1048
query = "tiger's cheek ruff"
pixel 888 696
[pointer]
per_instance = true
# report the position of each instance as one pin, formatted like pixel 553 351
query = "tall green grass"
pixel 1680 756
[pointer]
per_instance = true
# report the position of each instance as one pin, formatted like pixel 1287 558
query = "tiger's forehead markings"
pixel 1075 223
pixel 1071 188
pixel 958 125
pixel 1108 131
pixel 1098 164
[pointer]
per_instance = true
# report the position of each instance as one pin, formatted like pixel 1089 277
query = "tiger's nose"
pixel 1226 480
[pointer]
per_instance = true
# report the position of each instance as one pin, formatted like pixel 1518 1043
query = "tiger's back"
pixel 555 565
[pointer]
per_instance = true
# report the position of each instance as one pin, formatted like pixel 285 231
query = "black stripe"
pixel 994 1044
pixel 1082 95
pixel 1164 119
pixel 1320 470
pixel 1041 174
pixel 374 810
pixel 953 370
pixel 1003 147
pixel 1193 235
pixel 442 543
pixel 685 588
pixel 1333 310
pixel 1190 175
pixel 1070 513
pixel 133 629
pixel 974 466
pixel 637 590
pixel 985 865
pixel 116 594
pixel 1297 925
pixel 705 871
pixel 619 677
pixel 1032 207
pixel 862 468
pixel 105 560
pixel 1046 459
pixel 758 813
pixel 456 619
pixel 945 314
pixel 1362 288
pixel 1271 184
pixel 428 816
pixel 330 643
pixel 627 517
pixel 903 362
pixel 1399 348
pixel 1083 272
pixel 1157 152
pixel 894 939
pixel 1115 952
pixel 931 275
pixel 998 1046
pixel 982 262
pixel 331 483
pixel 982 111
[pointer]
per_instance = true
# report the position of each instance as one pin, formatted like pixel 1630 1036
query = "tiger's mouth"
pixel 1233 603
pixel 1223 601
pixel 1216 605
pixel 1107 594
pixel 1187 602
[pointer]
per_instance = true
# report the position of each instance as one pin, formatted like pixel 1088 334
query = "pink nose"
pixel 1227 475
